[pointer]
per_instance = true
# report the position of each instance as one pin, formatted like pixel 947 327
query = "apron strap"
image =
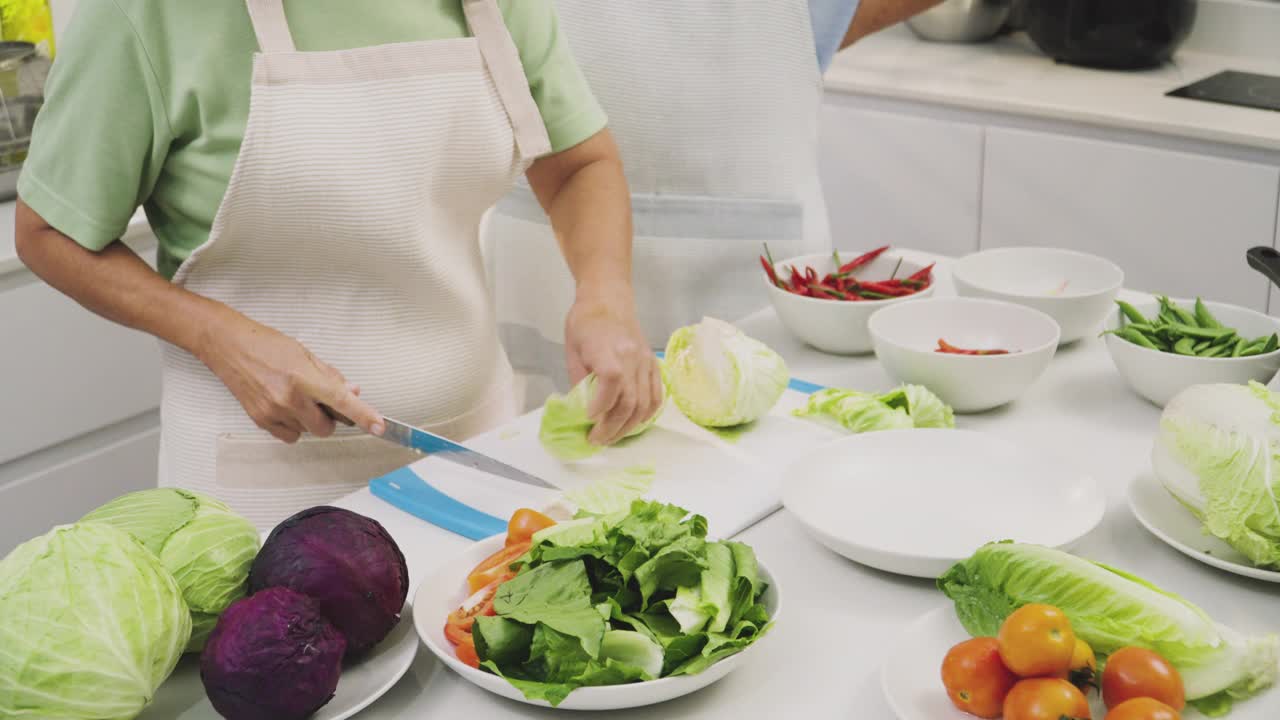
pixel 271 26
pixel 503 60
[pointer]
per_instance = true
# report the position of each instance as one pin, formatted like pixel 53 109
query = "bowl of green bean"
pixel 1163 346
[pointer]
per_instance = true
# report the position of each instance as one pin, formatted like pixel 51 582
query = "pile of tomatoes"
pixel 1037 669
pixel 484 580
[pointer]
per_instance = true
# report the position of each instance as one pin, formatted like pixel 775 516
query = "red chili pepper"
pixel 773 275
pixel 886 289
pixel 923 275
pixel 862 260
pixel 811 275
pixel 946 347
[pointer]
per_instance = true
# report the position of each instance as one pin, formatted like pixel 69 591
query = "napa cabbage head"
pixel 1111 609
pixel 90 625
pixel 719 377
pixel 566 423
pixel 204 544
pixel 1216 452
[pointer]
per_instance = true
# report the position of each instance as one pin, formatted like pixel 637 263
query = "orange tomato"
pixel 1037 641
pixel 1046 699
pixel 458 625
pixel 1143 709
pixel 976 679
pixel 1134 672
pixel 496 566
pixel 524 523
pixel 1083 672
pixel 466 652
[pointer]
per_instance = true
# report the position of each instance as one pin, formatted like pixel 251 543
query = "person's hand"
pixel 604 337
pixel 280 384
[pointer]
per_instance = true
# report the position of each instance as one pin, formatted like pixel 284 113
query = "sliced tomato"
pixel 497 566
pixel 459 623
pixel 524 523
pixel 466 652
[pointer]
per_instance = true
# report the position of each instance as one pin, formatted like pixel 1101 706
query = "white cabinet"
pixel 67 489
pixel 1178 223
pixel 899 180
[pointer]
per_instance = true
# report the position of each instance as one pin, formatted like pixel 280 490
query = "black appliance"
pixel 1117 34
pixel 1232 87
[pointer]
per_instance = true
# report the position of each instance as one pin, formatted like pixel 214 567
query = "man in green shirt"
pixel 315 172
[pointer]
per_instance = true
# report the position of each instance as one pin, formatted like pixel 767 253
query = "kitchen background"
pixel 934 146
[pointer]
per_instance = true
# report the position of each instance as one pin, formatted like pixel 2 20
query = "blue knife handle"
pixel 404 489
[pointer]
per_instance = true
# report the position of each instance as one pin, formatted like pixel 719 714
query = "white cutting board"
pixel 733 482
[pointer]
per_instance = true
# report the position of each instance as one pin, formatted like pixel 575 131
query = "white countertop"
pixel 823 659
pixel 1009 75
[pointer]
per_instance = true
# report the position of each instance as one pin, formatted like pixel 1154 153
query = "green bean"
pixel 1185 346
pixel 1204 317
pixel 1132 313
pixel 1272 343
pixel 1136 338
pixel 1202 346
pixel 1201 333
pixel 1239 347
pixel 1218 351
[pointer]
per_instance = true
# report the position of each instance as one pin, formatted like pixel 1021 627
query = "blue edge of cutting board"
pixel 406 490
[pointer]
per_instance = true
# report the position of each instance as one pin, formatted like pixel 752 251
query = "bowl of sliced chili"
pixel 825 300
pixel 975 354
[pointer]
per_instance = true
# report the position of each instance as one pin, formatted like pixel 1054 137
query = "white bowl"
pixel 444 590
pixel 1073 288
pixel 1158 376
pixel 906 341
pixel 833 326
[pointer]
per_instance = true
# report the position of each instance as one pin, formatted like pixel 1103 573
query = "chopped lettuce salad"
pixel 631 596
pixel 903 408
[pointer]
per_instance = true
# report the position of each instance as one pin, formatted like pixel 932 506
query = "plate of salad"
pixel 1034 628
pixel 600 612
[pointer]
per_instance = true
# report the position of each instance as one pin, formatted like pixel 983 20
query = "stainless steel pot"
pixel 962 21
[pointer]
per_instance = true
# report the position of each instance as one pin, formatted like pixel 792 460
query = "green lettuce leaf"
pixel 566 425
pixel 558 596
pixel 925 409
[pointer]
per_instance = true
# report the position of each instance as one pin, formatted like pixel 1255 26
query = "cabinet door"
pixel 65 491
pixel 900 180
pixel 1178 223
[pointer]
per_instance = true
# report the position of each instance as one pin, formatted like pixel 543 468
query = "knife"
pixel 431 444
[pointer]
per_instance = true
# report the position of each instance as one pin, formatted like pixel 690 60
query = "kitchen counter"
pixel 838 618
pixel 1009 75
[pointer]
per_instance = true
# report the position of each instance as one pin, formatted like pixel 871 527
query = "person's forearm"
pixel 114 283
pixel 873 16
pixel 584 193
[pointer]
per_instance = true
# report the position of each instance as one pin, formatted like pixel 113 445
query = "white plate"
pixel 1166 518
pixel 911 677
pixel 182 696
pixel 914 502
pixel 442 592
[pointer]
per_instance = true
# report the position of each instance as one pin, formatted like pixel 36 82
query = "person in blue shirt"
pixel 715 106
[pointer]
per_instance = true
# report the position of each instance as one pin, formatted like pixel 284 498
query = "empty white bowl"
pixel 834 326
pixel 1158 376
pixel 906 341
pixel 1073 288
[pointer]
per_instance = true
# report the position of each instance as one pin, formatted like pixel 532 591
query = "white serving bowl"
pixel 1158 376
pixel 834 326
pixel 906 341
pixel 1073 288
pixel 444 590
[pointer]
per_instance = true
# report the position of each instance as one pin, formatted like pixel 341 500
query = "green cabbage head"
pixel 565 424
pixel 1216 452
pixel 90 625
pixel 719 377
pixel 205 546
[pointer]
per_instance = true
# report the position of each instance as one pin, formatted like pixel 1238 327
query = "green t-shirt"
pixel 147 103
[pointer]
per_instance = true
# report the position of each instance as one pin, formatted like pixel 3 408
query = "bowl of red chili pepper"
pixel 974 354
pixel 826 300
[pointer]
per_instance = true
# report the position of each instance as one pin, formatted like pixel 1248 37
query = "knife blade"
pixel 436 446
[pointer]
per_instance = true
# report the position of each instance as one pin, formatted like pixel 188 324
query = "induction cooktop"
pixel 1235 88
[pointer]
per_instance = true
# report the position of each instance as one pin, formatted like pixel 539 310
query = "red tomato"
pixel 524 523
pixel 457 627
pixel 975 678
pixel 1046 699
pixel 466 652
pixel 1036 641
pixel 495 566
pixel 1143 709
pixel 1134 672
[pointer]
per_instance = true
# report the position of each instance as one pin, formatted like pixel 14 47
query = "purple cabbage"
pixel 272 656
pixel 347 563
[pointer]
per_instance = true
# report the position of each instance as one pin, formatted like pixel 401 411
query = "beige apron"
pixel 715 107
pixel 351 223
